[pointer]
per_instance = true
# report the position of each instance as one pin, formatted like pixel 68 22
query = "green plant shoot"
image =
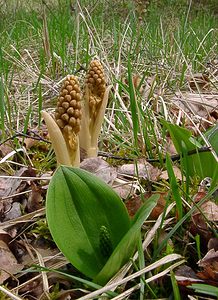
pixel 90 224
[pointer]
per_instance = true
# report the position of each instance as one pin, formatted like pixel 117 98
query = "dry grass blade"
pixel 165 260
pixel 46 42
pixel 55 262
pixel 44 274
pixel 10 294
pixel 150 279
pixel 151 233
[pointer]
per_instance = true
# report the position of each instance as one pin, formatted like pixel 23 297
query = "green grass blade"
pixel 141 265
pixel 36 268
pixel 133 106
pixel 39 105
pixel 174 186
pixel 176 293
pixel 27 119
pixel 2 106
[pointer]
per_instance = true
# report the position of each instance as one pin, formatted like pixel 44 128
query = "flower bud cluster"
pixel 68 112
pixel 95 81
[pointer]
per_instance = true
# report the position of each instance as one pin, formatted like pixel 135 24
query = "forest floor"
pixel 159 137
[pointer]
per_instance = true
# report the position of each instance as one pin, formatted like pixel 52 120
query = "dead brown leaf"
pixel 14 212
pixel 124 188
pixel 29 142
pixel 71 294
pixel 35 198
pixel 210 210
pixel 209 263
pixel 164 175
pixel 5 149
pixel 32 289
pixel 185 276
pixel 200 105
pixel 100 168
pixel 159 208
pixel 213 244
pixel 169 146
pixel 8 262
pixel 9 192
pixel 10 186
pixel 135 202
pixel 200 219
pixel 143 169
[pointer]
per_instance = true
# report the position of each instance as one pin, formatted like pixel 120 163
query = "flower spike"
pixel 94 106
pixel 68 120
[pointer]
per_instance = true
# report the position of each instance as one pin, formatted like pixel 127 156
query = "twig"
pixel 174 157
pixel 18 134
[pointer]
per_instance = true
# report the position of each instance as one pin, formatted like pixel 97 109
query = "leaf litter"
pixel 24 197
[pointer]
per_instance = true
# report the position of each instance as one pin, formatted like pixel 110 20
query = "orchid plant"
pixel 78 119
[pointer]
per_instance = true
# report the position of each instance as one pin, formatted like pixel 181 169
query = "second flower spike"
pixel 94 105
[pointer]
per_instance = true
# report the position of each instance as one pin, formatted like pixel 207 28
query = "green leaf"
pixel 90 223
pixel 202 163
pixel 2 105
pixel 212 136
pixel 127 245
pixel 205 289
pixel 78 205
pixel 179 135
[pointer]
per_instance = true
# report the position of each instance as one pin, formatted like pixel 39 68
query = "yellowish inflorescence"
pixel 68 112
pixel 94 106
pixel 64 130
pixel 95 81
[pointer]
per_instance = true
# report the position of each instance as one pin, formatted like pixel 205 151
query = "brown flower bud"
pixel 67 98
pixel 65 105
pixel 70 111
pixel 60 123
pixel 65 117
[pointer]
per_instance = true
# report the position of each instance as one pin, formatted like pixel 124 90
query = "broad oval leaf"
pixel 127 245
pixel 79 207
